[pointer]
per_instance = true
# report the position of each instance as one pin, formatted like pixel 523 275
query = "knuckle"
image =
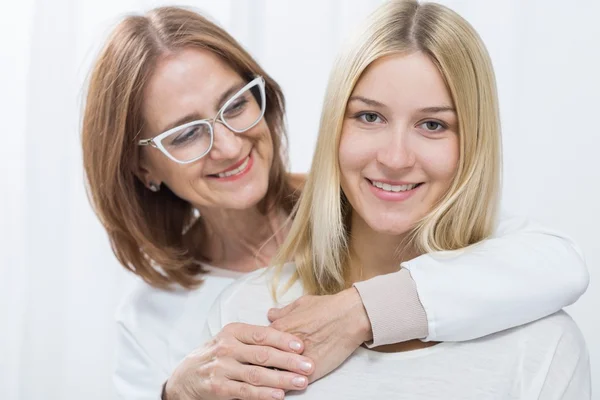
pixel 244 392
pixel 213 369
pixel 282 380
pixel 290 363
pixel 259 335
pixel 261 356
pixel 222 349
pixel 253 375
pixel 217 389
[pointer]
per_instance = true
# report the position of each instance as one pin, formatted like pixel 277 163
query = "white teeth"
pixel 235 171
pixel 393 188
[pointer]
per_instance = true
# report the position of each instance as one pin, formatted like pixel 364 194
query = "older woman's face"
pixel 399 147
pixel 191 85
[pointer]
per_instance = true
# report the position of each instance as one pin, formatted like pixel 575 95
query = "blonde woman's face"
pixel 399 147
pixel 193 85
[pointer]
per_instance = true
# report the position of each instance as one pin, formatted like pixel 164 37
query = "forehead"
pixel 407 80
pixel 184 82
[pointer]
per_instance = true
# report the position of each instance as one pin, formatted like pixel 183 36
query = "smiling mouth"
pixel 237 169
pixel 394 188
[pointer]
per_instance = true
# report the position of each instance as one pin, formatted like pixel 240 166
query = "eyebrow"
pixel 367 101
pixel 375 103
pixel 439 109
pixel 194 116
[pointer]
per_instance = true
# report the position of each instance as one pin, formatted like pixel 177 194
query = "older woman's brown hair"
pixel 149 232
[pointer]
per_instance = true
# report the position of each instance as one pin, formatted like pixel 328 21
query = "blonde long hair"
pixel 317 242
pixel 146 229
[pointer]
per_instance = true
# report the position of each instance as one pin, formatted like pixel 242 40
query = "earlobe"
pixel 142 172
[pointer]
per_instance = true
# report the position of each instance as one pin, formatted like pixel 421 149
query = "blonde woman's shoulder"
pixel 249 298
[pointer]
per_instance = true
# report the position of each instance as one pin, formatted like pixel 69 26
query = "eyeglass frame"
pixel 156 141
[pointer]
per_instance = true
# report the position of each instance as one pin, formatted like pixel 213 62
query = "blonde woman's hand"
pixel 244 362
pixel 332 327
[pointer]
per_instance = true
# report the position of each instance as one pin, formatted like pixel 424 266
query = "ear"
pixel 143 171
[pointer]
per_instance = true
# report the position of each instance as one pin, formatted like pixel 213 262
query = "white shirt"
pixel 156 329
pixel 522 273
pixel 546 359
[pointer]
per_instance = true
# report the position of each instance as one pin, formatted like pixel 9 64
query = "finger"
pixel 270 357
pixel 264 377
pixel 276 313
pixel 245 391
pixel 266 336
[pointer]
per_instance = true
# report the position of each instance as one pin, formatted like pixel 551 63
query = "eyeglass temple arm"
pixel 146 142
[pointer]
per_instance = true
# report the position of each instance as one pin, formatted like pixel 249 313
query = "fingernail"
pixel 305 366
pixel 299 381
pixel 277 395
pixel 296 346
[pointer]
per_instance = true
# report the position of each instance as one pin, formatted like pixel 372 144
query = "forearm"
pixel 522 273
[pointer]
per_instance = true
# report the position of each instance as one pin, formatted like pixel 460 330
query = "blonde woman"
pixel 408 163
pixel 180 120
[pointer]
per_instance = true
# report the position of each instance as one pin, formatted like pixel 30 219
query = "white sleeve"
pixel 522 273
pixel 137 376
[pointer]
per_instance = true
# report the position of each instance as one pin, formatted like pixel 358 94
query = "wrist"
pixel 163 394
pixel 361 325
pixel 169 391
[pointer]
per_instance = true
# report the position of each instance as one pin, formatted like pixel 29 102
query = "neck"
pixel 375 253
pixel 242 240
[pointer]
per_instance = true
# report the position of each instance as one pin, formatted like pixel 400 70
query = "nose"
pixel 395 151
pixel 226 144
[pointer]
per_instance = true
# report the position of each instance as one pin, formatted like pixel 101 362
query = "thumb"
pixel 277 313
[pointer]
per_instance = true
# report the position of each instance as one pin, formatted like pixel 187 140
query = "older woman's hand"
pixel 237 364
pixel 332 327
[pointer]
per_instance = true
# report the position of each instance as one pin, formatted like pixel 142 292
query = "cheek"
pixel 259 132
pixel 180 178
pixel 355 152
pixel 260 135
pixel 157 163
pixel 439 158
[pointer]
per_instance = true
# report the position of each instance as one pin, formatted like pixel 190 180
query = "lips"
pixel 394 188
pixel 236 171
pixel 393 191
pixel 233 168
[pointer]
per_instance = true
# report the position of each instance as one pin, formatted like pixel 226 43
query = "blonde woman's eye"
pixel 369 118
pixel 432 126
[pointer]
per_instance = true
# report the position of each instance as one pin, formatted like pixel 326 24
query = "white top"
pixel 156 329
pixel 546 359
pixel 522 273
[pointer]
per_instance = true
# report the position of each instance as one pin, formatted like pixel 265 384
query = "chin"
pixel 391 224
pixel 250 197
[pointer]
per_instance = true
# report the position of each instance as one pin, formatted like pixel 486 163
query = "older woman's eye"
pixel 433 126
pixel 369 117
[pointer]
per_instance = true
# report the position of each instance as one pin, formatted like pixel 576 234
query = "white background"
pixel 60 283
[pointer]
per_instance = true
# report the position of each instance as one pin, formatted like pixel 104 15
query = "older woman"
pixel 183 143
pixel 407 162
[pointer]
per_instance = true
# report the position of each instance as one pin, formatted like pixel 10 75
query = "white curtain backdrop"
pixel 60 282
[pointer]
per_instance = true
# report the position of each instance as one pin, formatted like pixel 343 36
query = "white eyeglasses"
pixel 190 142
